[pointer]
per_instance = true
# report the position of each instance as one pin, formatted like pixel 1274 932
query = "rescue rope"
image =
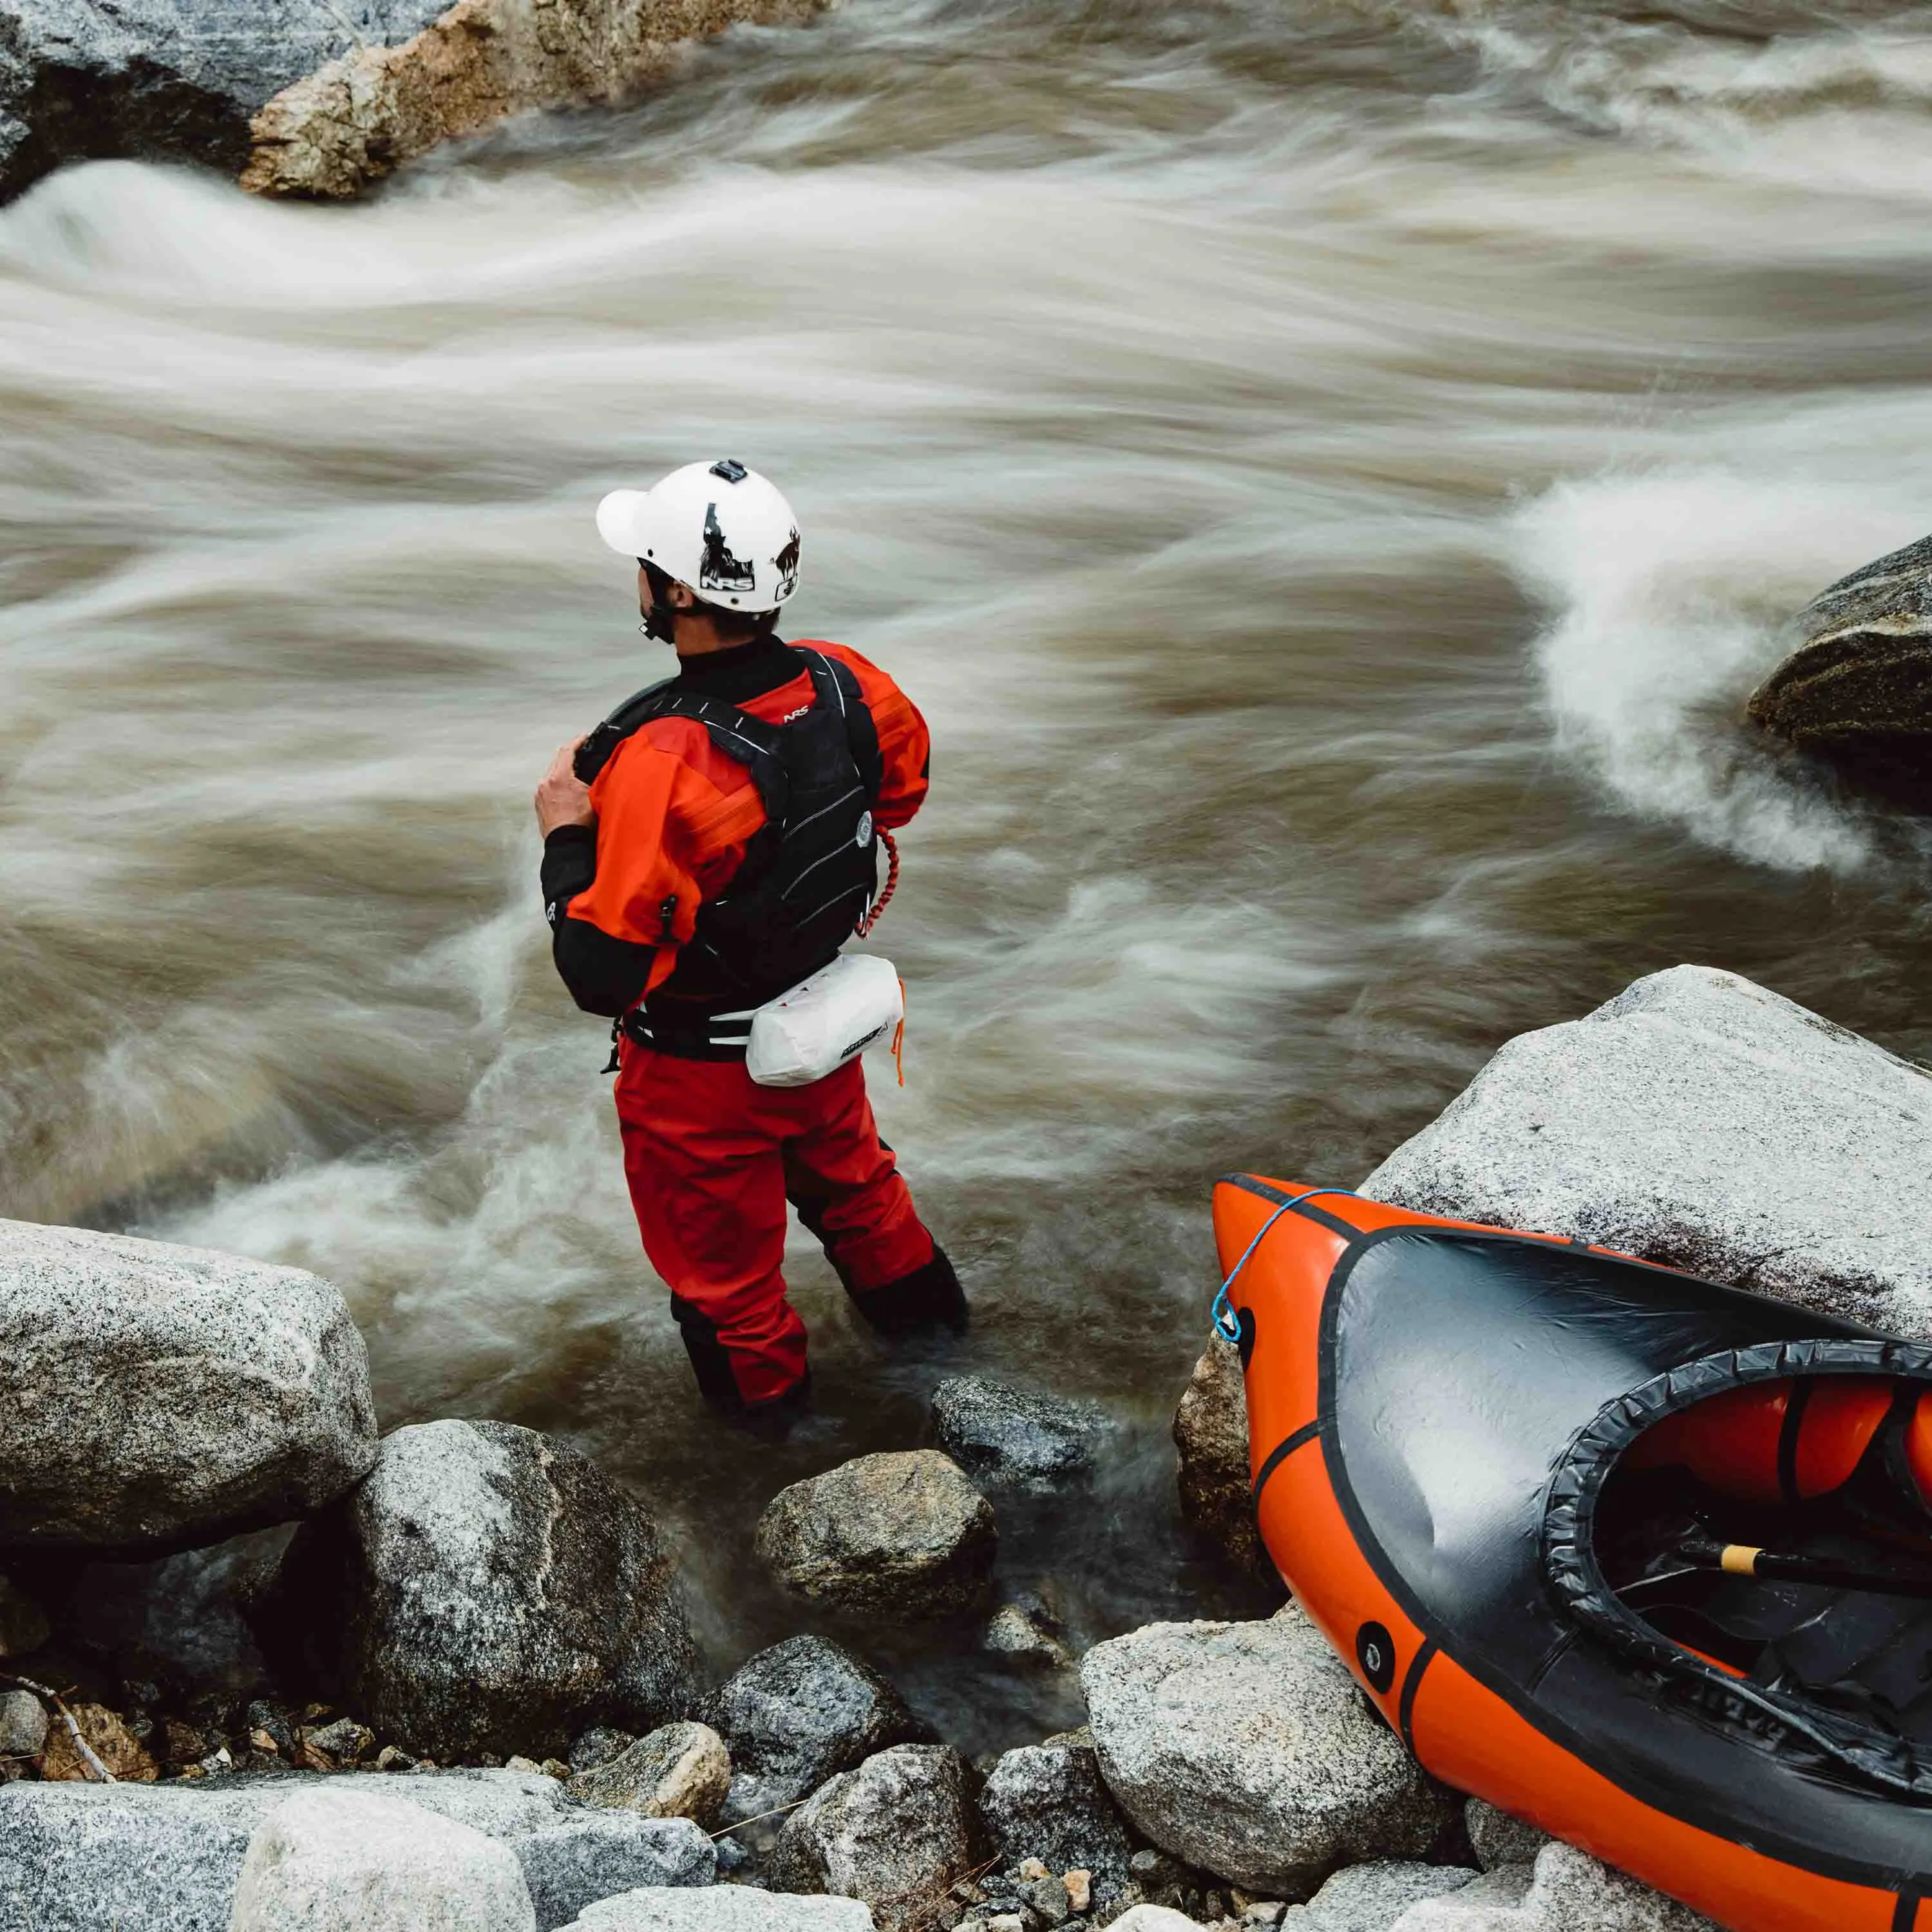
pixel 1221 1318
pixel 878 905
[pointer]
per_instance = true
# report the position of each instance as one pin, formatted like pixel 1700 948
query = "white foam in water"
pixel 1671 590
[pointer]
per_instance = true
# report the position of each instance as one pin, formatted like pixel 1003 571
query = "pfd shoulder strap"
pixel 749 739
pixel 836 687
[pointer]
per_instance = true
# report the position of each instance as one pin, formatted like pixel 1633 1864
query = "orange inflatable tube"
pixel 1464 1443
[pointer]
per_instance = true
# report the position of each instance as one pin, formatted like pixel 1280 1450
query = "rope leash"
pixel 1222 1317
pixel 879 905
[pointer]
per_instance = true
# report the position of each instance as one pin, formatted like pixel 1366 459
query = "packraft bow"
pixel 1644 1560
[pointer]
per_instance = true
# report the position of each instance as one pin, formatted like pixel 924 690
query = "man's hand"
pixel 563 798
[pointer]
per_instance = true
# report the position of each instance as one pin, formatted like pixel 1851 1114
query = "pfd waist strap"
pixel 694 1035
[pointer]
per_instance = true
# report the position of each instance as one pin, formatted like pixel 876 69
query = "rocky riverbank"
pixel 259 1661
pixel 312 97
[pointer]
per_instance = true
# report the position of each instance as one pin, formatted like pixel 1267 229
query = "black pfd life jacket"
pixel 810 870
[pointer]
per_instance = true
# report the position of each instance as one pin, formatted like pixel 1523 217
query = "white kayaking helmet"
pixel 722 530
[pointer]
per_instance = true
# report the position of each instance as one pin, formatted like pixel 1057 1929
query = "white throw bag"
pixel 822 1022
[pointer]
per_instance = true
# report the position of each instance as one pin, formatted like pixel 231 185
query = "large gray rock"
pixel 166 1858
pixel 328 1858
pixel 1857 690
pixel 573 1864
pixel 1048 1802
pixel 1245 1750
pixel 799 1713
pixel 155 1398
pixel 895 1833
pixel 679 1771
pixel 724 1908
pixel 902 1534
pixel 1371 1898
pixel 1699 1120
pixel 1568 1891
pixel 487 1589
pixel 165 79
pixel 1013 1438
pixel 1210 1431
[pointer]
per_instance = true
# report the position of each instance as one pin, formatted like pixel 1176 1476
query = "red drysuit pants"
pixel 712 1158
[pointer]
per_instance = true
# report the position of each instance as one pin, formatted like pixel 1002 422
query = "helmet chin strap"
pixel 661 615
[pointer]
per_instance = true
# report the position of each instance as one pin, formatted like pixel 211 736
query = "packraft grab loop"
pixel 1221 1318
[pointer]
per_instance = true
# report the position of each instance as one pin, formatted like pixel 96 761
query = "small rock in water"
pixel 1013 1438
pixel 111 1740
pixel 1027 1630
pixel 23 1724
pixel 1857 691
pixel 599 1745
pixel 901 1535
pixel 333 1858
pixel 680 1771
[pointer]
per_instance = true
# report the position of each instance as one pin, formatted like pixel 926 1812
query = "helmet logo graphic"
pixel 786 563
pixel 722 571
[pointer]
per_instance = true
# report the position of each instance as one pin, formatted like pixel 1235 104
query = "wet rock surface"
pixel 679 1771
pixel 902 1535
pixel 1210 1432
pixel 331 1858
pixel 155 1398
pixel 1700 1121
pixel 1023 1439
pixel 487 1589
pixel 894 1833
pixel 1857 690
pixel 1048 1802
pixel 1245 1749
pixel 799 1713
pixel 574 1864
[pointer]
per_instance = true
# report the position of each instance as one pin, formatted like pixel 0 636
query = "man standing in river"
pixel 686 887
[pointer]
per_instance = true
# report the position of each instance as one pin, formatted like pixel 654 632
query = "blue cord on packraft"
pixel 1222 1317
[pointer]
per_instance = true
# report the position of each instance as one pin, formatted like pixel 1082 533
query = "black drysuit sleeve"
pixel 604 975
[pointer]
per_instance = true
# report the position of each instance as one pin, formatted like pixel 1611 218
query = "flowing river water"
pixel 1329 474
